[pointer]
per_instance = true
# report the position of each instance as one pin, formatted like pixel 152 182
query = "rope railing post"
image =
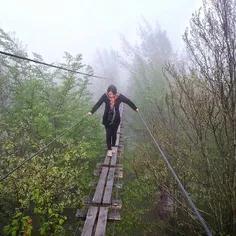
pixel 197 214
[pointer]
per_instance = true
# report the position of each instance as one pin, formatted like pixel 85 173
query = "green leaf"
pixel 29 230
pixel 50 211
pixel 61 221
pixel 18 215
pixel 42 231
pixel 13 233
pixel 7 229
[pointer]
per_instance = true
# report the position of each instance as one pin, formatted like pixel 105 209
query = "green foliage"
pixel 20 225
pixel 137 203
pixel 50 214
pixel 41 103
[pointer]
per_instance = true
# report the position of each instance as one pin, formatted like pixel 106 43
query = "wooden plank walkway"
pixel 101 204
pixel 101 185
pixel 89 223
pixel 102 222
pixel 109 187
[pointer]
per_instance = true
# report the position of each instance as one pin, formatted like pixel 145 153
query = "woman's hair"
pixel 112 88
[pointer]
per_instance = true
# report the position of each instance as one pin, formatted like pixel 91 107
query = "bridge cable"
pixel 201 220
pixel 42 149
pixel 51 65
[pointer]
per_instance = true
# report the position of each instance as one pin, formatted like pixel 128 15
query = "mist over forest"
pixel 175 61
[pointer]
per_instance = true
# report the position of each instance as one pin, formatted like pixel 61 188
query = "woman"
pixel 111 116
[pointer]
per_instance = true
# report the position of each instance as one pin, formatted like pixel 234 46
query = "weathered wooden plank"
pixel 121 148
pixel 89 222
pixel 112 216
pixel 119 156
pixel 120 151
pixel 118 173
pixel 117 139
pixel 109 185
pixel 100 187
pixel 114 157
pixel 122 139
pixel 94 183
pixel 120 132
pixel 81 214
pixel 107 160
pixel 119 186
pixel 116 166
pixel 102 222
pixel 115 204
pixel 121 111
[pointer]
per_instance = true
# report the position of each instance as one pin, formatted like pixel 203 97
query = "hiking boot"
pixel 109 153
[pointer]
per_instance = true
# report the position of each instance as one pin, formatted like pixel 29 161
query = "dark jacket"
pixel 119 100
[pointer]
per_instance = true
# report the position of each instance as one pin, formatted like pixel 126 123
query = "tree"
pixel 202 100
pixel 41 105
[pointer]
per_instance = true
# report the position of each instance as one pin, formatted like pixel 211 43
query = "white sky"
pixel 50 27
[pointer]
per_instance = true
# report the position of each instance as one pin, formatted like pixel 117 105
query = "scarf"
pixel 113 100
pixel 112 106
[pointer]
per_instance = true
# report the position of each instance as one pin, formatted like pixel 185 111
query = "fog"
pixel 83 26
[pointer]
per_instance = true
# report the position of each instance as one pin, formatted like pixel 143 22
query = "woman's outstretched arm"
pixel 98 104
pixel 128 102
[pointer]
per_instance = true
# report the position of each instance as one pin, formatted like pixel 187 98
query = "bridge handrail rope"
pixel 201 220
pixel 51 65
pixel 42 149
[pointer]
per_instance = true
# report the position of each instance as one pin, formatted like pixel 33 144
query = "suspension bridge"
pixel 104 206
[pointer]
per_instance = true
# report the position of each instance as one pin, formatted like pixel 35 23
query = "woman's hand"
pixel 137 110
pixel 89 113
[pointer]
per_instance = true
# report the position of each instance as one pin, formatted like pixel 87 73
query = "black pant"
pixel 111 135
